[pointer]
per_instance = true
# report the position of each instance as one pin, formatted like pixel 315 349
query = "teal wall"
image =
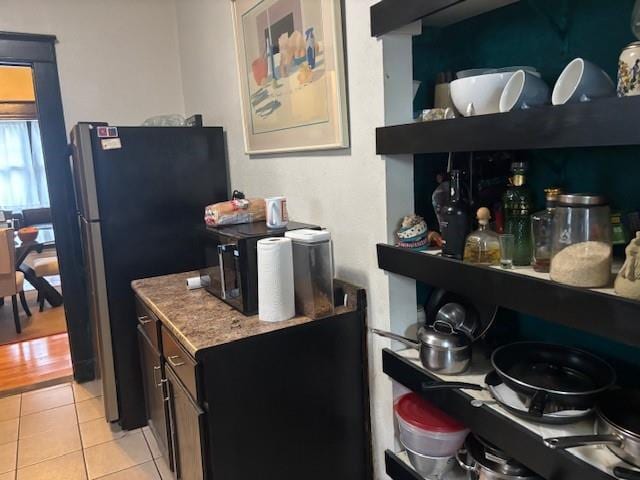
pixel 546 34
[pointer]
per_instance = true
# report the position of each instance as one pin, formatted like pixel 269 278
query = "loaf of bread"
pixel 235 212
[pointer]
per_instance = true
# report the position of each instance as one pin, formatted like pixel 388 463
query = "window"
pixel 23 183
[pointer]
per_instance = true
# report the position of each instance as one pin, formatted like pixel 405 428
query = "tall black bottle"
pixel 456 223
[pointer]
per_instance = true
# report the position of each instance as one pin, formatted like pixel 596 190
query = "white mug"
pixel 582 81
pixel 277 216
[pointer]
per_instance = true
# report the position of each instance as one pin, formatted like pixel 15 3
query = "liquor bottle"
pixel 455 223
pixel 517 212
pixel 440 197
pixel 541 231
pixel 483 246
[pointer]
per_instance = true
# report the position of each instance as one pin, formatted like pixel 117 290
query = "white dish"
pixel 524 90
pixel 582 81
pixel 479 95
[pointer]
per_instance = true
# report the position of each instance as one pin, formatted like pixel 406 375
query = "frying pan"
pixel 617 427
pixel 492 382
pixel 548 374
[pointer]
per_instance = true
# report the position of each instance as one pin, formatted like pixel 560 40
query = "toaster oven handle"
pixel 223 281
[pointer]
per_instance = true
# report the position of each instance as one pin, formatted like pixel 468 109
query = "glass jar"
pixel 581 245
pixel 541 225
pixel 312 272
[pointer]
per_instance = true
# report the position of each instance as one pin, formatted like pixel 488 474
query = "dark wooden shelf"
pixel 389 15
pixel 513 438
pixel 399 470
pixel 604 122
pixel 596 312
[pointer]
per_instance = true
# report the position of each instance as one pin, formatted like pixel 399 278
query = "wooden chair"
pixel 11 281
pixel 45 267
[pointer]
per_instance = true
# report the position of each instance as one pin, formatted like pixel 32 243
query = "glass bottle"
pixel 455 224
pixel 541 223
pixel 517 211
pixel 440 197
pixel 483 246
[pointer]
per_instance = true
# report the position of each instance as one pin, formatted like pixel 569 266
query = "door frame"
pixel 38 52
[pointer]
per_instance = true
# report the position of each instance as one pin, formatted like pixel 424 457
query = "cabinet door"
pixel 186 428
pixel 154 391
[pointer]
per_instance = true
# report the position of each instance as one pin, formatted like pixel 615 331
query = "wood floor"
pixel 34 361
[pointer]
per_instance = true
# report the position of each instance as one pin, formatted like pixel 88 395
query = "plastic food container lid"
pixel 415 410
pixel 306 235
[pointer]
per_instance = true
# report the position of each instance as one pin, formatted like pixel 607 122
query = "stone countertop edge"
pixel 199 320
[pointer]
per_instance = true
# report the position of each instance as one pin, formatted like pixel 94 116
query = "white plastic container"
pixel 427 430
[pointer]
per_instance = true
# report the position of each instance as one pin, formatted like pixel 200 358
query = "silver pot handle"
pixel 583 441
pixel 443 327
pixel 464 465
pixel 399 338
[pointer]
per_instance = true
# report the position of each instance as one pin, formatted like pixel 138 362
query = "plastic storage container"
pixel 427 430
pixel 581 241
pixel 312 272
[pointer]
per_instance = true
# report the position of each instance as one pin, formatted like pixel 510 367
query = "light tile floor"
pixel 59 433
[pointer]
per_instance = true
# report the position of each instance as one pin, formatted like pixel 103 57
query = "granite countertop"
pixel 199 320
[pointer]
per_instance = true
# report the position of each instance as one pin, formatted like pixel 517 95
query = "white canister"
pixel 629 71
pixel 277 216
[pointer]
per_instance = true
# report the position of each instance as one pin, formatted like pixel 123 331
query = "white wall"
pixel 350 192
pixel 117 59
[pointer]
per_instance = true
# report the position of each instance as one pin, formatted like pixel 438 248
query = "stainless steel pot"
pixel 483 461
pixel 442 350
pixel 617 427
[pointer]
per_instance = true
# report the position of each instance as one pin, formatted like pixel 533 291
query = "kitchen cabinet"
pixel 155 391
pixel 249 399
pixel 187 425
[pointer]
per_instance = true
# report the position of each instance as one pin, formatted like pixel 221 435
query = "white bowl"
pixel 479 95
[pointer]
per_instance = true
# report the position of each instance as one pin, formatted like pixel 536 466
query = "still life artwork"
pixel 292 79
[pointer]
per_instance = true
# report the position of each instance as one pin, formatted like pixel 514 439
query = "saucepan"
pixel 442 349
pixel 617 427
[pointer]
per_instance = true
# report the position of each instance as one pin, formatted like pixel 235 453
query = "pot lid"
pixel 582 200
pixel 632 45
pixel 442 335
pixel 415 410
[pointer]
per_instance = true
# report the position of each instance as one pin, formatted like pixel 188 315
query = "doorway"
pixel 50 339
pixel 34 345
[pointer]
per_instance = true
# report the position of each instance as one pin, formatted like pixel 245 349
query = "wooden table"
pixel 46 239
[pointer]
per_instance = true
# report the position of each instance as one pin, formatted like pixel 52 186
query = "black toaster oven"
pixel 231 262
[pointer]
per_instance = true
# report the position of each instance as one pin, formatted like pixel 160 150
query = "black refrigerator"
pixel 140 193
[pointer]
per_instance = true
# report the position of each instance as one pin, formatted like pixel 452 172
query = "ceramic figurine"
pixel 629 71
pixel 415 235
pixel 628 280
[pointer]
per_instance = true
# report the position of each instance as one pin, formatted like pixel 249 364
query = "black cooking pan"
pixel 618 427
pixel 547 374
pixel 553 373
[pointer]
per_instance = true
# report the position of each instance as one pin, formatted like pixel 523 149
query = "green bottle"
pixel 517 211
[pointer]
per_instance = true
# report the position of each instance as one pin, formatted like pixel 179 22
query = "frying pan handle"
pixel 538 403
pixel 432 386
pixel 399 338
pixel 583 441
pixel 626 474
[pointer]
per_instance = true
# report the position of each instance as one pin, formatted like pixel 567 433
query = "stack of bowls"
pixel 478 91
pixel 430 437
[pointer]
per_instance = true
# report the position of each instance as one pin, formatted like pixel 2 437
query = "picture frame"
pixel 291 66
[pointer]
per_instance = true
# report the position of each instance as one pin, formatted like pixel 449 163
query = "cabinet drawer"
pixel 183 364
pixel 148 321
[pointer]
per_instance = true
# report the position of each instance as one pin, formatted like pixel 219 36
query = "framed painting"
pixel 292 75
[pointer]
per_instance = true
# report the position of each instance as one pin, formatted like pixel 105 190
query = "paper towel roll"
pixel 276 301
